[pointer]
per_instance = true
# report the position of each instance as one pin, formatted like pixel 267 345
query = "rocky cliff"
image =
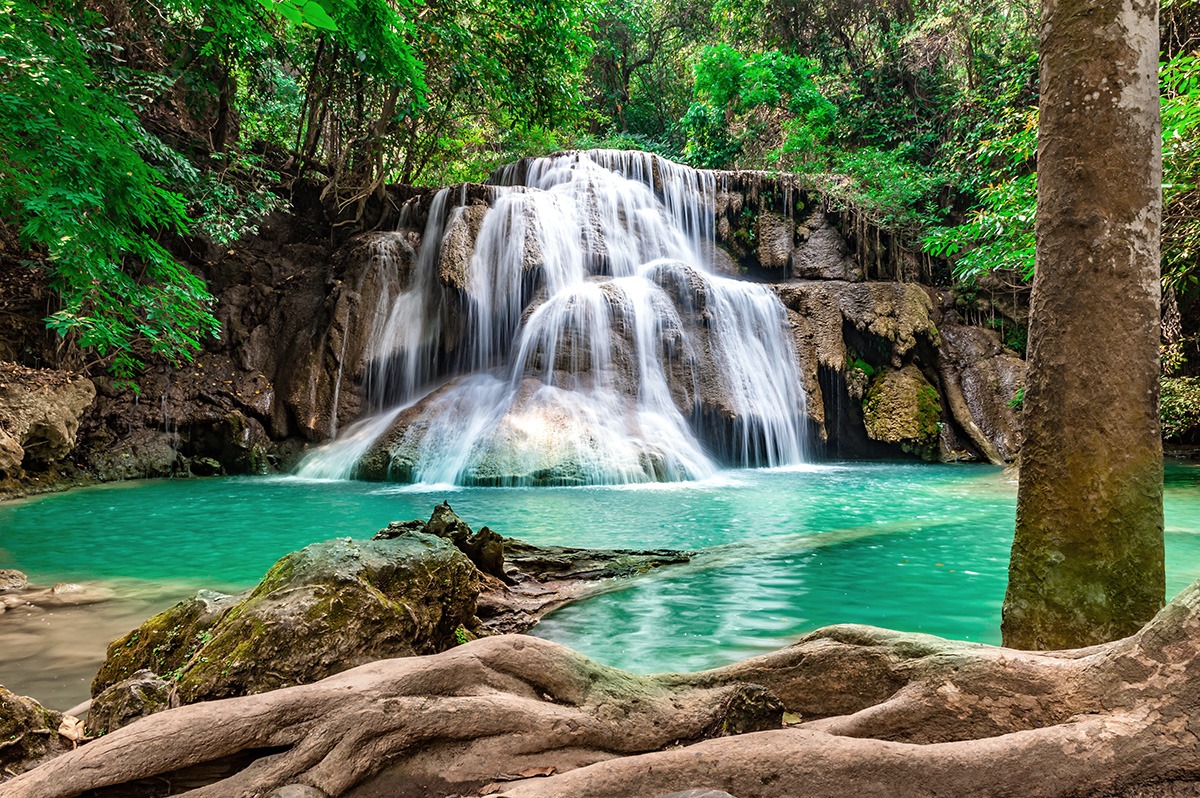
pixel 889 367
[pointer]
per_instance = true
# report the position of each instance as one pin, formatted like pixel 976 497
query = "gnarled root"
pixel 884 713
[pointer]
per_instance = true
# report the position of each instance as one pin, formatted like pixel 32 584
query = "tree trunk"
pixel 1087 560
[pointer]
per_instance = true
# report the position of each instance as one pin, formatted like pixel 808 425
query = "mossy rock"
pixel 28 733
pixel 165 643
pixel 901 407
pixel 324 609
pixel 142 694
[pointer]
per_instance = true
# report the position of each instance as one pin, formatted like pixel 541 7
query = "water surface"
pixel 914 547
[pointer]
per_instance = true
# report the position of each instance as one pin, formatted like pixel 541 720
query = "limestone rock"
pixel 823 254
pixel 458 245
pixel 989 377
pixel 321 610
pixel 901 407
pixel 142 694
pixel 28 733
pixel 165 643
pixel 774 234
pixel 12 579
pixel 40 411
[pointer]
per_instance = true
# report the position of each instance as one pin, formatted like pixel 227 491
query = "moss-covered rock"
pixel 28 734
pixel 165 643
pixel 142 694
pixel 901 407
pixel 321 610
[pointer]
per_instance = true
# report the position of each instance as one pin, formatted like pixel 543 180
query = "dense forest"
pixel 177 118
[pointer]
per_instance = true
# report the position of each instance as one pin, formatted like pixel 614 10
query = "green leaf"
pixel 315 15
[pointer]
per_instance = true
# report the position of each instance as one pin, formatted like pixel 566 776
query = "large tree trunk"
pixel 1087 561
pixel 884 714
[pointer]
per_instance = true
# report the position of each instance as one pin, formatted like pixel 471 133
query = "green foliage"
pixel 75 182
pixel 998 233
pixel 1018 400
pixel 735 95
pixel 1180 406
pixel 1181 172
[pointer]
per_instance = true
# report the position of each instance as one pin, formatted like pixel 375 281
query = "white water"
pixel 595 343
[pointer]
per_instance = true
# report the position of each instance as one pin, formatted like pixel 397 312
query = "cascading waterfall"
pixel 589 342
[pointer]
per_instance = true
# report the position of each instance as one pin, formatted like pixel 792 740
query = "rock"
pixel 458 245
pixel 321 610
pixel 206 466
pixel 12 579
pixel 142 694
pixel 40 411
pixel 11 455
pixel 28 734
pixel 700 793
pixel 989 378
pixel 774 234
pixel 165 643
pixel 823 254
pixel 63 594
pixel 901 407
pixel 143 453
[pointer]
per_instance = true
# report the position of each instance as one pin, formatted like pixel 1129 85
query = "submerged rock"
pixel 12 579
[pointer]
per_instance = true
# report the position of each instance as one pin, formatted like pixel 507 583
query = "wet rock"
pixel 205 466
pixel 142 694
pixel 321 610
pixel 901 407
pixel 12 579
pixel 28 733
pixel 458 245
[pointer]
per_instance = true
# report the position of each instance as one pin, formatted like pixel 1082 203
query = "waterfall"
pixel 585 339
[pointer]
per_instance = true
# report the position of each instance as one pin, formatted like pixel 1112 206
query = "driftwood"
pixel 880 714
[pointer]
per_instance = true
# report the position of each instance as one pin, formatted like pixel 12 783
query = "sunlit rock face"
pixel 579 329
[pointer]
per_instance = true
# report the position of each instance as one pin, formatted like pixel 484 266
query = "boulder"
pixel 29 734
pixel 822 253
pixel 989 379
pixel 12 579
pixel 321 610
pixel 901 407
pixel 458 245
pixel 142 694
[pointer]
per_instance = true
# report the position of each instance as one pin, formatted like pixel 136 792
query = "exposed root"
pixel 883 713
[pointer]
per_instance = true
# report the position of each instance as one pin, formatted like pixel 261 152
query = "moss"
pixel 901 407
pixel 317 611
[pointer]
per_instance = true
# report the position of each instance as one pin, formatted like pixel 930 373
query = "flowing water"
pixel 598 345
pixel 783 551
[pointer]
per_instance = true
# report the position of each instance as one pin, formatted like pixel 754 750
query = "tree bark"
pixel 1087 560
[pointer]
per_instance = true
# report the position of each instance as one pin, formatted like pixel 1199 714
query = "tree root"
pixel 882 713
